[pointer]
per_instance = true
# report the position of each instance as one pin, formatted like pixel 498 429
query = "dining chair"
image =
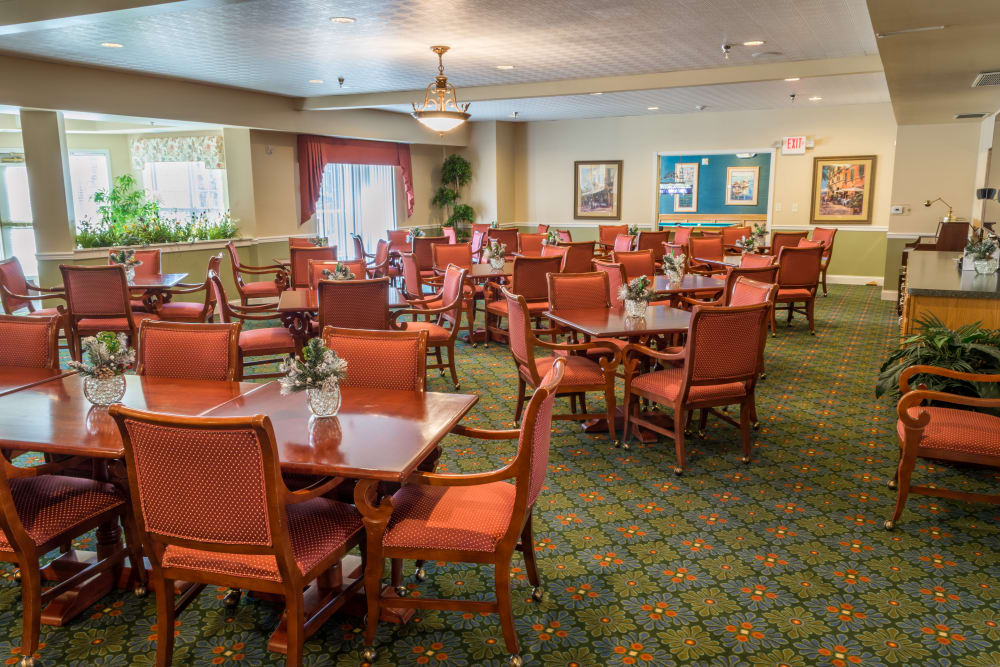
pixel 414 280
pixel 824 235
pixel 461 255
pixel 607 234
pixel 941 433
pixel 584 290
pixel 256 342
pixel 616 277
pixel 782 239
pixel 679 244
pixel 542 229
pixel 635 263
pixel 17 293
pixel 97 299
pixel 531 244
pixel 731 235
pixel 798 280
pixel 505 235
pixel 705 247
pixel 579 254
pixel 359 248
pixel 527 279
pixel 149 258
pixel 423 254
pixel 716 369
pixel 191 351
pixel 583 375
pixel 300 258
pixel 653 241
pixel 472 518
pixel 450 234
pixel 382 267
pixel 380 359
pixel 300 242
pixel 623 243
pixel 556 251
pixel 317 267
pixel 752 260
pixel 478 241
pixel 398 240
pixel 442 333
pixel 258 289
pixel 30 341
pixel 565 236
pixel 353 304
pixel 191 311
pixel 212 509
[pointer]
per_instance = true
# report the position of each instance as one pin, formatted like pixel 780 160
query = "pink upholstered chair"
pixel 17 293
pixel 717 369
pixel 359 249
pixel 382 266
pixel 616 278
pixel 607 234
pixel 478 241
pixel 353 304
pixel 705 247
pixel 753 261
pixel 317 267
pixel 623 243
pixel 679 244
pixel 300 258
pixel 259 289
pixel 212 509
pixel 531 244
pixel 542 229
pixel 461 255
pixel 527 279
pixel 652 241
pixel 188 351
pixel 30 341
pixel 565 236
pixel 191 311
pixel 798 279
pixel 398 240
pixel 635 263
pixel 450 234
pixel 414 279
pixel 472 518
pixel 824 235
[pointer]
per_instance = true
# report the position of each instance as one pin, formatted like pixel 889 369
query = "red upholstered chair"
pixel 584 290
pixel 413 279
pixel 824 235
pixel 382 266
pixel 258 289
pixel 191 311
pixel 150 258
pixel 398 240
pixel 481 227
pixel 943 433
pixel 188 351
pixel 652 241
pixel 423 254
pixel 459 254
pixel 353 304
pixel 782 239
pixel 300 242
pixel 798 279
pixel 262 342
pixel 730 235
pixel 636 263
pixel 717 369
pixel 528 280
pixel 212 509
pixel 583 374
pixel 507 236
pixel 300 258
pixel 531 244
pixel 579 255
pixel 317 267
pixel 705 247
pixel 616 278
pixel 98 300
pixel 762 278
pixel 556 251
pixel 478 241
pixel 607 234
pixel 30 341
pixel 442 333
pixel 542 229
pixel 473 518
pixel 565 236
pixel 753 261
pixel 17 293
pixel 450 234
pixel 359 249
pixel 399 362
pixel 679 244
pixel 623 243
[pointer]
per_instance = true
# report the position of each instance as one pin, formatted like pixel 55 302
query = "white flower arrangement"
pixel 494 249
pixel 633 230
pixel 759 231
pixel 125 257
pixel 637 289
pixel 108 355
pixel 674 264
pixel 747 243
pixel 318 241
pixel 552 237
pixel 414 233
pixel 318 366
pixel 340 272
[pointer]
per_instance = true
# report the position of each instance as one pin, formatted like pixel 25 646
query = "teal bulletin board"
pixel 712 182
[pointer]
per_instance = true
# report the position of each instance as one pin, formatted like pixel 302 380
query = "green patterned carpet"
pixel 782 562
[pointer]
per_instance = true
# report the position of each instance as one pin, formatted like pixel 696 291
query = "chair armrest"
pixel 34 297
pixel 575 347
pixel 718 301
pixel 271 268
pixel 917 396
pixel 187 289
pixel 653 354
pixel 418 311
pixel 483 434
pixel 315 490
pixel 470 479
pixel 33 286
pixel 904 377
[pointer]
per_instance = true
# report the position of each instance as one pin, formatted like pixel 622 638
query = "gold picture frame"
pixel 597 187
pixel 742 185
pixel 843 189
pixel 689 169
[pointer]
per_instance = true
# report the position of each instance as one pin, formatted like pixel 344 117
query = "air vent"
pixel 964 116
pixel 986 79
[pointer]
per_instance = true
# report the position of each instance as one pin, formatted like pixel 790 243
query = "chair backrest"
pixel 578 256
pixel 397 240
pixel 682 235
pixel 752 260
pixel 674 250
pixel 730 235
pixel 182 471
pixel 381 259
pixel 96 291
pixel 616 277
pixel 530 244
pixel 450 234
pixel 29 341
pixel 652 241
pixel 522 339
pixel 799 267
pixel 234 261
pixel 219 295
pixel 636 263
pixel 529 276
pixel 565 236
pixel 149 258
pixel 715 355
pixel 806 243
pixel 825 235
pixel 191 351
pixel 316 268
pixel 623 243
pixel 705 247
pixel 451 291
pixel 300 258
pixel 782 239
pixel 542 229
pixel 459 254
pixel 579 290
pixel 532 458
pixel 481 227
pixel 380 359
pixel 13 280
pixel 744 289
pixel 505 235
pixel 359 246
pixel 422 252
pixel 413 285
pixel 299 242
pixel 606 234
pixel 556 251
pixel 353 304
pixel 478 239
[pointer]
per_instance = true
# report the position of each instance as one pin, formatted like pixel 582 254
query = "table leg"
pixel 642 435
pixel 152 299
pixel 299 324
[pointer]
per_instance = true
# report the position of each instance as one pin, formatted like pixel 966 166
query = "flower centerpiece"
pixel 636 294
pixel 494 224
pixel 551 238
pixel 318 373
pixel 108 356
pixel 674 267
pixel 414 233
pixel 495 254
pixel 126 257
pixel 759 233
pixel 633 230
pixel 340 272
pixel 983 254
pixel 746 244
pixel 318 241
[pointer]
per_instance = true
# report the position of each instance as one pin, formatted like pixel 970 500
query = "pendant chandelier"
pixel 440 111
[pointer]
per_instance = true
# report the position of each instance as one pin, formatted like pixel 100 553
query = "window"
pixel 356 199
pixel 89 171
pixel 186 188
pixel 17 238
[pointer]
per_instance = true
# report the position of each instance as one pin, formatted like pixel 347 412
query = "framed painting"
pixel 742 186
pixel 842 189
pixel 687 172
pixel 597 186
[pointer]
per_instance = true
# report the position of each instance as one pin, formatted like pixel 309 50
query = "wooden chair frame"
pixel 207 311
pixel 493 292
pixel 233 348
pixel 282 275
pixel 827 254
pixel 73 319
pixel 789 306
pixel 52 323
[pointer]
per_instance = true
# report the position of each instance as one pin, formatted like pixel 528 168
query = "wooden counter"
pixel 936 285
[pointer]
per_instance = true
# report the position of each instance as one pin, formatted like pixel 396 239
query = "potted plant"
pixel 340 272
pixel 126 257
pixel 456 172
pixel 318 241
pixel 551 238
pixel 746 244
pixel 318 374
pixel 108 356
pixel 495 254
pixel 983 253
pixel 674 267
pixel 636 294
pixel 633 230
pixel 414 233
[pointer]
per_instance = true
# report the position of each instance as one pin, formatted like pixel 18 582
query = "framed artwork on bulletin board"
pixel 597 187
pixel 687 172
pixel 742 186
pixel 842 189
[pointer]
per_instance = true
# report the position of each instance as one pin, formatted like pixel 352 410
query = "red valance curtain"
pixel 315 152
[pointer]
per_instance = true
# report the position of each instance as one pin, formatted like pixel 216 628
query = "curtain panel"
pixel 207 150
pixel 315 152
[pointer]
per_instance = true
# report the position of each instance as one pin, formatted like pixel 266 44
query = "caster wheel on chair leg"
pixel 17 575
pixel 536 594
pixel 892 484
pixel 756 426
pixel 678 471
pixel 401 591
pixel 232 598
pixel 140 591
pixel 889 525
pixel 28 661
pixel 745 459
pixel 701 435
pixel 515 661
pixel 420 574
pixel 369 654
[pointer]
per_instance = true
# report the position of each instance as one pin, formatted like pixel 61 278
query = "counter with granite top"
pixel 936 285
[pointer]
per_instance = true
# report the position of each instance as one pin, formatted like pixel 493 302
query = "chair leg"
pixel 528 550
pixel 451 365
pixel 609 400
pixel 470 316
pixel 904 471
pixel 504 607
pixel 746 407
pixel 520 399
pixel 810 308
pixel 164 622
pixel 396 576
pixel 31 621
pixel 824 282
pixel 773 323
pixel 295 624
pixel 437 357
pixel 572 403
pixel 702 423
pixel 583 403
pixel 680 418
pixel 627 410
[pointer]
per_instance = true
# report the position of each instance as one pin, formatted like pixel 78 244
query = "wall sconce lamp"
pixel 948 218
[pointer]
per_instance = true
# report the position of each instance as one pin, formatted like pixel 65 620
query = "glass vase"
pixel 986 266
pixel 635 308
pixel 130 274
pixel 104 391
pixel 324 401
pixel 674 277
pixel 497 262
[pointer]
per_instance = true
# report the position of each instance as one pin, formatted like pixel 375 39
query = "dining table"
pixel 297 308
pixel 480 273
pixel 692 283
pixel 15 378
pixel 155 288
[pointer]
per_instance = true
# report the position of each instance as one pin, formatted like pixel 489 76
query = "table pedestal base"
pixel 642 435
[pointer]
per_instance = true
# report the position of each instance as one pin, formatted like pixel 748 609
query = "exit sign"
pixel 793 145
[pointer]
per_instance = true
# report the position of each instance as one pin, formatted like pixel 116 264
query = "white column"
pixel 47 159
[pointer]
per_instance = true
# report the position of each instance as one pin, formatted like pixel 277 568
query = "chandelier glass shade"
pixel 441 111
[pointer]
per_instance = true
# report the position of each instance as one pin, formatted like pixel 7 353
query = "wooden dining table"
pixel 298 307
pixel 691 283
pixel 15 378
pixel 156 288
pixel 481 273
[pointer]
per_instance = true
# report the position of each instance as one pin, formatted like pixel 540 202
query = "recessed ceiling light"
pixel 112 45
pixel 792 78
pixel 754 42
pixel 505 67
pixel 652 108
pixel 597 93
pixel 815 98
pixel 315 80
pixel 342 19
pixel 701 107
